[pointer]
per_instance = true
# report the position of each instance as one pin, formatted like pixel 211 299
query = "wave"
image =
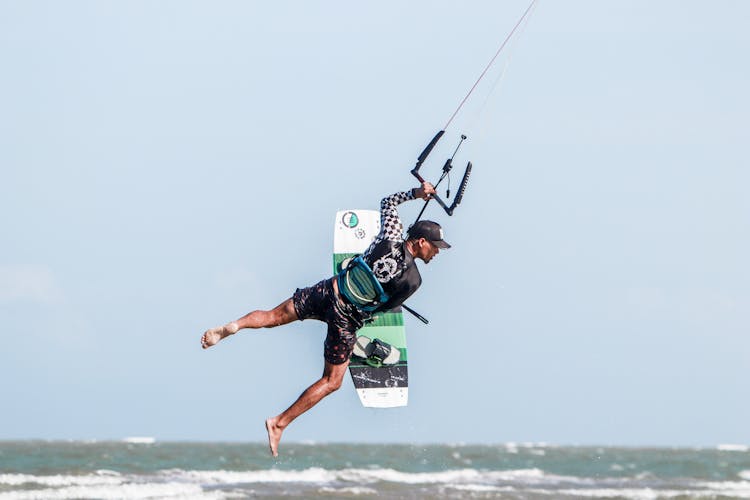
pixel 139 440
pixel 733 447
pixel 99 478
pixel 219 484
pixel 106 492
pixel 638 493
pixel 368 476
pixel 313 475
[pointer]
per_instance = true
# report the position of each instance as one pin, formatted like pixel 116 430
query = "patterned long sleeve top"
pixel 392 264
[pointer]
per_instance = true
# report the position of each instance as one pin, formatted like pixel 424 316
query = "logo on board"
pixel 350 220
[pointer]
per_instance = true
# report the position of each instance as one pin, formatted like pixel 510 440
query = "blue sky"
pixel 169 166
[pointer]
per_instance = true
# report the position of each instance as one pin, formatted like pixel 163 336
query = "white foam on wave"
pixel 733 447
pixel 634 493
pixel 531 448
pixel 479 488
pixel 109 478
pixel 629 493
pixel 456 476
pixel 369 476
pixel 735 488
pixel 214 484
pixel 355 490
pixel 139 440
pixel 311 475
pixel 107 492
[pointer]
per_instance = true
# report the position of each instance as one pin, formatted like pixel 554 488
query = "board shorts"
pixel 343 319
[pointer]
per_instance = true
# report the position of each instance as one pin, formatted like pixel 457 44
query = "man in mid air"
pixel 390 263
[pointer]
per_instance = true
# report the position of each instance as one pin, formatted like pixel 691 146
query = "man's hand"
pixel 425 191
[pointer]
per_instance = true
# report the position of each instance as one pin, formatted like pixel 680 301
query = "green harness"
pixel 359 285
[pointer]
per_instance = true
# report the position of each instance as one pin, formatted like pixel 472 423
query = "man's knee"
pixel 334 384
pixel 282 314
pixel 334 376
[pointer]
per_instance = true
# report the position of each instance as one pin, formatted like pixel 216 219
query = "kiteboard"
pixel 380 383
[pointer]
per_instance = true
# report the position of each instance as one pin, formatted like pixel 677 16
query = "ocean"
pixel 144 468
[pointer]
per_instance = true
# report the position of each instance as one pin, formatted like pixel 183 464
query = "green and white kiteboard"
pixel 383 386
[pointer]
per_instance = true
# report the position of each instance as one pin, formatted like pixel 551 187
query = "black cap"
pixel 428 230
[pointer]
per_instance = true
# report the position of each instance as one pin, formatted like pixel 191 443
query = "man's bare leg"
pixel 280 315
pixel 331 380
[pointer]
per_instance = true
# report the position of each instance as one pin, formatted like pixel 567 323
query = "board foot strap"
pixel 375 352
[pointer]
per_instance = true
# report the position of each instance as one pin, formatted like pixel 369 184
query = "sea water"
pixel 144 468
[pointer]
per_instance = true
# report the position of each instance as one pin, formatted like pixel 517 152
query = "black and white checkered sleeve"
pixel 391 227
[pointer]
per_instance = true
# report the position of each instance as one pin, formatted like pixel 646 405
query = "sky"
pixel 170 166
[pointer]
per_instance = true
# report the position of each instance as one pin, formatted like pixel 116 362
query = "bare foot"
pixel 214 335
pixel 274 435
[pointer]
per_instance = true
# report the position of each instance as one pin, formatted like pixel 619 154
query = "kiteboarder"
pixel 381 280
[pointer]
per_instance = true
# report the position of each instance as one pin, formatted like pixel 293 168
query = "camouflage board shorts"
pixel 343 319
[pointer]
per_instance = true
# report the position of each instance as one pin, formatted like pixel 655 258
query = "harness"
pixel 359 285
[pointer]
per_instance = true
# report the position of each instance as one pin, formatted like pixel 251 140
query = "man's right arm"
pixel 391 227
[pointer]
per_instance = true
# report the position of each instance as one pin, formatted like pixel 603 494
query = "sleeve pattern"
pixel 391 228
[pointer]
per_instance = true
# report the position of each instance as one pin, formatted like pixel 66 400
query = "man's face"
pixel 427 250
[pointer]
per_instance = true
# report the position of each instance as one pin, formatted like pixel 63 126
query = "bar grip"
pixel 461 190
pixel 425 153
pixel 462 187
